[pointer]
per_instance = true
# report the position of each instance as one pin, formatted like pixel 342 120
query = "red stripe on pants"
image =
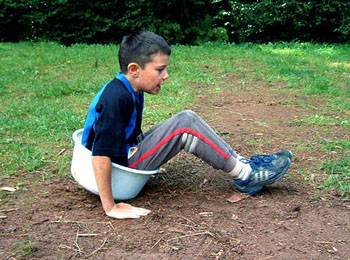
pixel 171 136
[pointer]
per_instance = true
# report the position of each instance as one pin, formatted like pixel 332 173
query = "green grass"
pixel 334 145
pixel 338 171
pixel 324 120
pixel 23 248
pixel 45 89
pixel 338 175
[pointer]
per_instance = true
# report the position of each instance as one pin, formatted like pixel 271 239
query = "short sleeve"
pixel 114 112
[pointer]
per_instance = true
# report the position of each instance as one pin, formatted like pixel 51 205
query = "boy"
pixel 113 133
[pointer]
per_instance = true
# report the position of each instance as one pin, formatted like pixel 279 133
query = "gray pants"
pixel 187 131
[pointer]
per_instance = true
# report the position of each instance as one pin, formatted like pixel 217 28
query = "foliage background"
pixel 179 21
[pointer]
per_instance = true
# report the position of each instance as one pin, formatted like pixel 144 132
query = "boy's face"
pixel 154 73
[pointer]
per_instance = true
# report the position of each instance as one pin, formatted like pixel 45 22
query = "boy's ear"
pixel 133 70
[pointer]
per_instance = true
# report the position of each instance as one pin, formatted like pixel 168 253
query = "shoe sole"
pixel 252 190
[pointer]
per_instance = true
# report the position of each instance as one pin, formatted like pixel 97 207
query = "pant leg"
pixel 184 131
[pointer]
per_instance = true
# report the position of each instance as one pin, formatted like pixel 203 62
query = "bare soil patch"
pixel 192 217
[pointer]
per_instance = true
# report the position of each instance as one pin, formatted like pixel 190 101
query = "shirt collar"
pixel 127 83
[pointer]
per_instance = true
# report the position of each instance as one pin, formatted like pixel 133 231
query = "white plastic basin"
pixel 126 182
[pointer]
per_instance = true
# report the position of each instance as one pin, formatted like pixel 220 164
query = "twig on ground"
pixel 194 226
pixel 76 242
pixel 87 235
pixel 68 222
pixel 177 231
pixel 62 151
pixel 65 247
pixel 241 229
pixel 8 210
pixel 98 249
pixel 81 222
pixel 190 235
pixel 185 225
pixel 324 242
pixel 156 243
pixel 188 220
pixel 110 223
pixel 208 244
pixel 233 112
pixel 41 221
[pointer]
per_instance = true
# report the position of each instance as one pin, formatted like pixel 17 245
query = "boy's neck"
pixel 132 83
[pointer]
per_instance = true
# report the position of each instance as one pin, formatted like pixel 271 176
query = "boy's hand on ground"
pixel 124 210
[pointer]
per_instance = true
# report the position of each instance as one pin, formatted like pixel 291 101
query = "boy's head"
pixel 144 59
pixel 140 47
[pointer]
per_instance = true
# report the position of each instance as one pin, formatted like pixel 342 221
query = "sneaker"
pixel 267 169
pixel 287 153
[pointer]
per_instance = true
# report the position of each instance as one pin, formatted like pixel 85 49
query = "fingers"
pixel 123 211
pixel 121 215
pixel 141 211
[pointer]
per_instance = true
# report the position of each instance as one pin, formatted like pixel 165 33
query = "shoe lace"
pixel 262 158
pixel 258 160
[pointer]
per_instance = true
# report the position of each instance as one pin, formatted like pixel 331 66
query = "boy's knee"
pixel 187 116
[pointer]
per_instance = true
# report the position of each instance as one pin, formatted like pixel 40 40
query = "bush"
pixel 70 21
pixel 281 20
pixel 186 22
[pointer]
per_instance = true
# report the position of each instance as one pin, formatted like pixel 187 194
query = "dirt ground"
pixel 192 215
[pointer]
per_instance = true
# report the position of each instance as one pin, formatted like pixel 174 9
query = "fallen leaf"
pixel 9 189
pixel 237 197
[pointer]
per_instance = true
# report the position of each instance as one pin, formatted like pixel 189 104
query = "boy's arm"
pixel 102 166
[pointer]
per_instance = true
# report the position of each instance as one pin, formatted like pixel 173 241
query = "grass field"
pixel 45 90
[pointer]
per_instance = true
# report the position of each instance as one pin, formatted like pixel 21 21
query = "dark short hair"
pixel 139 47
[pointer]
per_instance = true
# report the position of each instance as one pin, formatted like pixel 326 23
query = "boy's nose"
pixel 165 75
